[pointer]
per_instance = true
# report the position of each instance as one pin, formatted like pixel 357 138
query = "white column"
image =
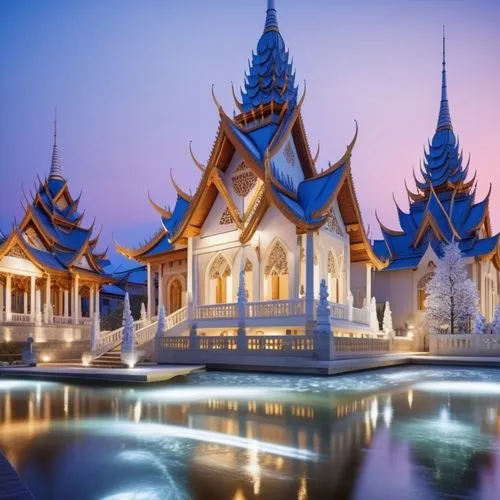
pixel 150 291
pixel 38 306
pixel 25 303
pixel 76 299
pixel 33 299
pixel 295 274
pixel 368 283
pixel 66 303
pixel 309 277
pixel 1 301
pixel 190 270
pixel 8 298
pixel 48 302
pixel 91 302
pixel 160 286
pixel 97 308
pixel 60 311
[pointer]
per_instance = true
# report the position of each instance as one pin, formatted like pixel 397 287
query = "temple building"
pixel 443 209
pixel 50 269
pixel 265 225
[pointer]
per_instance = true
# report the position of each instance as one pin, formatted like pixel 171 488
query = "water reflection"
pixel 406 433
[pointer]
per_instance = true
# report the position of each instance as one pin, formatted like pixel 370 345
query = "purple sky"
pixel 132 79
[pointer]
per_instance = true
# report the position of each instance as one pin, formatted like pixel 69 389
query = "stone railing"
pixel 21 318
pixel 347 345
pixel 280 344
pixel 146 333
pixel 216 311
pixel 62 320
pixel 273 308
pixel 176 343
pixel 218 343
pixel 176 317
pixel 403 344
pixel 339 311
pixel 361 316
pixel 464 344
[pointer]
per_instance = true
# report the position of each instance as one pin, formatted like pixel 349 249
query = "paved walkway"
pixel 12 487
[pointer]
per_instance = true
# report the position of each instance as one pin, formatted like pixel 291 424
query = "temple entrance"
pixel 220 280
pixel 276 273
pixel 175 302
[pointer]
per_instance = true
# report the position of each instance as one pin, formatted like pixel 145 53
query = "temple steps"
pixel 111 359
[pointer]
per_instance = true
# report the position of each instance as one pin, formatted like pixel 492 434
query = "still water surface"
pixel 412 433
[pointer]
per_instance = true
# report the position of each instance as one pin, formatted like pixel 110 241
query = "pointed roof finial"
pixel 55 166
pixel 271 17
pixel 444 119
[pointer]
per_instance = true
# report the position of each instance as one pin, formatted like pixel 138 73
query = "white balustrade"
pixel 20 318
pixel 289 345
pixel 113 339
pixel 218 343
pixel 347 345
pixel 175 318
pixel 216 311
pixel 339 311
pixel 62 320
pixel 275 308
pixel 176 343
pixel 465 344
pixel 361 316
pixel 146 333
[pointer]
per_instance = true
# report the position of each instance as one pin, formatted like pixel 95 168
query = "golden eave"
pixel 137 252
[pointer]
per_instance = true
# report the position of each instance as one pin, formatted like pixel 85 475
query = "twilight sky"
pixel 132 80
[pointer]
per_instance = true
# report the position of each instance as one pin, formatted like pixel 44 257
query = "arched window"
pixel 276 272
pixel 422 290
pixel 219 272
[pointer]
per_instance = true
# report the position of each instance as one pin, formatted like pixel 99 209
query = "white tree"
pixel 387 322
pixel 128 354
pixel 452 297
pixel 161 321
pixel 479 323
pixel 495 325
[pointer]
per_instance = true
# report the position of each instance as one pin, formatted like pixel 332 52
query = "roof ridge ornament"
pixel 271 17
pixel 55 166
pixel 444 118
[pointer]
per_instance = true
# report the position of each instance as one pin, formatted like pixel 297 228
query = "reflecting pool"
pixel 411 433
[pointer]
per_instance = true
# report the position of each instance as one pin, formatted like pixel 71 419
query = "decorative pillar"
pixel 48 303
pixel 242 302
pixel 190 270
pixel 33 299
pixel 8 298
pixel 1 301
pixel 160 287
pixel 76 299
pixel 25 303
pixel 309 280
pixel 66 303
pixel 324 340
pixel 60 311
pixel 350 304
pixel 97 309
pixel 38 307
pixel 368 283
pixel 150 291
pixel 91 302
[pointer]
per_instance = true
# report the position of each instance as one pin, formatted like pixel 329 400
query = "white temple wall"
pixel 488 289
pixel 358 283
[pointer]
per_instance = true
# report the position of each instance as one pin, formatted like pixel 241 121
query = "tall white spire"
pixel 271 17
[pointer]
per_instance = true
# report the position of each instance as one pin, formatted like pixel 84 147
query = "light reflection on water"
pixel 411 433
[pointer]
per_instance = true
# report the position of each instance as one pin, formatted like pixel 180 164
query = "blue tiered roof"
pixel 271 76
pixel 444 207
pixel 51 232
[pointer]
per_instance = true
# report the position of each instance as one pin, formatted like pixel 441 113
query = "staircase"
pixel 107 354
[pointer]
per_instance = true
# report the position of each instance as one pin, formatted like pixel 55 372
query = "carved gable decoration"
pixel 289 154
pixel 332 224
pixel 226 218
pixel 244 180
pixel 220 268
pixel 277 263
pixel 17 251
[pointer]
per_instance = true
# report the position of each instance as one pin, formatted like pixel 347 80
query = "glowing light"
pixel 410 398
pixel 444 415
pixel 459 386
pixel 374 412
pixel 156 431
pixel 137 411
pixel 66 400
pixel 45 358
pixel 388 414
pixel 302 493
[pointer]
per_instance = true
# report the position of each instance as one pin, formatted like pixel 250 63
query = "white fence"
pixel 464 344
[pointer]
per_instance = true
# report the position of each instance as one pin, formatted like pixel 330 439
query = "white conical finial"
pixel 55 166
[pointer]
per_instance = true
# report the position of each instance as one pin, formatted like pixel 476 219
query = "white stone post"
pixel 160 287
pixel 128 354
pixel 60 310
pixel 1 301
pixel 97 308
pixel 66 303
pixel 309 281
pixel 38 301
pixel 150 290
pixel 324 341
pixel 91 302
pixel 8 298
pixel 33 299
pixel 25 303
pixel 190 270
pixel 373 315
pixel 95 333
pixel 47 305
pixel 76 300
pixel 368 282
pixel 350 306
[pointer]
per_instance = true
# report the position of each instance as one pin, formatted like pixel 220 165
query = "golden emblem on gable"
pixel 226 218
pixel 244 180
pixel 289 154
pixel 332 224
pixel 16 251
